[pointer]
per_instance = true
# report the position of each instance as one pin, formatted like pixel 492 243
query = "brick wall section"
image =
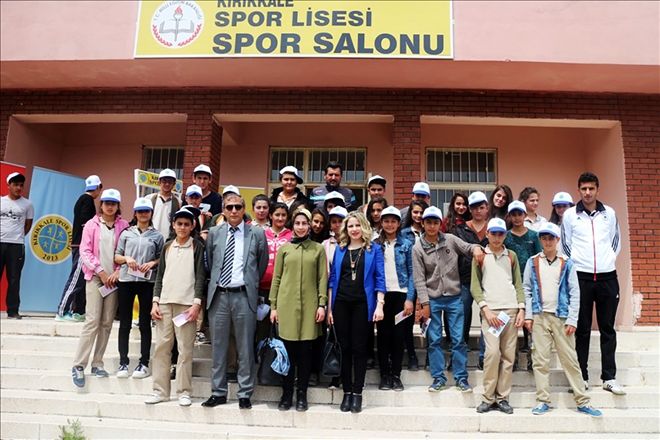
pixel 639 116
pixel 406 137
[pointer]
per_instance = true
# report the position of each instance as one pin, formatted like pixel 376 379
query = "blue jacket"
pixel 374 275
pixel 403 262
pixel 568 300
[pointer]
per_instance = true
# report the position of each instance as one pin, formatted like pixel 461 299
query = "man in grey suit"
pixel 237 256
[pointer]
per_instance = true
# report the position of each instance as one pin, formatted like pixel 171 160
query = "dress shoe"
pixel 356 403
pixel 14 316
pixel 244 403
pixel 286 401
pixel 346 402
pixel 232 377
pixel 385 383
pixel 214 401
pixel 301 401
pixel 371 363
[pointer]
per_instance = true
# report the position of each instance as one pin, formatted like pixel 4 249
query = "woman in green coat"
pixel 298 296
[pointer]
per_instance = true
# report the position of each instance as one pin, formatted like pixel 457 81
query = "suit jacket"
pixel 374 275
pixel 255 259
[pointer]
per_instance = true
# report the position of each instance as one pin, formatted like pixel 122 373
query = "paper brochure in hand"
pixel 497 331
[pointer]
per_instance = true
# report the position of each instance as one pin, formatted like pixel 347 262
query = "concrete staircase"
pixel 37 396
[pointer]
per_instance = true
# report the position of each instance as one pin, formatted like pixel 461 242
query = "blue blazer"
pixel 374 275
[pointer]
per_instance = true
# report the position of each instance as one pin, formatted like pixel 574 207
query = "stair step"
pixel 426 419
pixel 413 395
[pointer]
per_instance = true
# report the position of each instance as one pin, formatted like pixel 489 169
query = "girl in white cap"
pixel 560 203
pixel 138 252
pixel 97 250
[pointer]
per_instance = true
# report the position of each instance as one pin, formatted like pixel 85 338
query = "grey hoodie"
pixel 435 266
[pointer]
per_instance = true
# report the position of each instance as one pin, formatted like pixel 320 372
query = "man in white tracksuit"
pixel 591 238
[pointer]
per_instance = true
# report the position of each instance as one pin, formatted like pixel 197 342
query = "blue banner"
pixel 48 244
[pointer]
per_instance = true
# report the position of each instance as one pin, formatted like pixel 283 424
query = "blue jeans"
pixel 453 307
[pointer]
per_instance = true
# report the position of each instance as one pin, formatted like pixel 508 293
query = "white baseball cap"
pixel 376 179
pixel 431 212
pixel 292 170
pixel 562 198
pixel 334 195
pixel 339 211
pixel 517 205
pixel 476 198
pixel 143 203
pixel 390 210
pixel 496 225
pixel 13 175
pixel 167 173
pixel 231 189
pixel 193 189
pixel 202 169
pixel 550 228
pixel 111 195
pixel 422 188
pixel 92 182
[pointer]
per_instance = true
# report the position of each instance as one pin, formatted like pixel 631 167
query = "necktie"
pixel 228 262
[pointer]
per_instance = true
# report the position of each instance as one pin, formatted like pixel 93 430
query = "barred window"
pixel 451 170
pixel 157 158
pixel 311 164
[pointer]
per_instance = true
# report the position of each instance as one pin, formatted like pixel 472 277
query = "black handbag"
pixel 265 356
pixel 331 354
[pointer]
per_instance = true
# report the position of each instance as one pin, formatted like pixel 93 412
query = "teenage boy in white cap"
pixel 164 202
pixel 16 214
pixel 525 243
pixel 375 188
pixel 289 192
pixel 179 290
pixel 552 305
pixel 202 176
pixel 436 278
pixel 497 288
pixel 422 192
pixel 72 303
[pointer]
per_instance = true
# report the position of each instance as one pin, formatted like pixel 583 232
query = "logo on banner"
pixel 176 24
pixel 50 238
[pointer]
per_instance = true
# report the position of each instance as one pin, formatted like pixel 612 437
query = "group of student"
pixel 322 261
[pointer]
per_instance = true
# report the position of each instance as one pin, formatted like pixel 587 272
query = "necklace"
pixel 354 263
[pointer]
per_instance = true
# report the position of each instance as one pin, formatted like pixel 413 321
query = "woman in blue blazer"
pixel 357 296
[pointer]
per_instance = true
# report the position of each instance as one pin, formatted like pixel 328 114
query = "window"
pixel 311 163
pixel 155 159
pixel 450 170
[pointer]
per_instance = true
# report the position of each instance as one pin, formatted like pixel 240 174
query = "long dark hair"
pixel 421 203
pixel 325 232
pixel 503 211
pixel 554 217
pixel 452 215
pixel 370 207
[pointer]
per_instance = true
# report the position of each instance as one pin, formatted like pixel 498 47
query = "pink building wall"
pixel 112 151
pixel 254 139
pixel 611 32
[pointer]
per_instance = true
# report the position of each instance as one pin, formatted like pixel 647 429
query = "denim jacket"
pixel 568 299
pixel 403 263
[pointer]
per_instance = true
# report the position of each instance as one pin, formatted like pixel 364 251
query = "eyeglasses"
pixel 233 207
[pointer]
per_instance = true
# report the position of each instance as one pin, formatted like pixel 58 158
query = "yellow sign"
pixel 248 193
pixel 150 180
pixel 295 28
pixel 50 239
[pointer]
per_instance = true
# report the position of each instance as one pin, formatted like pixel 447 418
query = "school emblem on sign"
pixel 176 24
pixel 50 239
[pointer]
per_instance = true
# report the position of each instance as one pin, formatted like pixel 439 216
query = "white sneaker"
pixel 141 372
pixel 155 398
pixel 122 373
pixel 185 401
pixel 613 387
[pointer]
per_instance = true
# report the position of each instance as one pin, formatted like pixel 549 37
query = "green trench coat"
pixel 299 287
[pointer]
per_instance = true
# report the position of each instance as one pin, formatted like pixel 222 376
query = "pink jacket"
pixel 89 245
pixel 274 243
